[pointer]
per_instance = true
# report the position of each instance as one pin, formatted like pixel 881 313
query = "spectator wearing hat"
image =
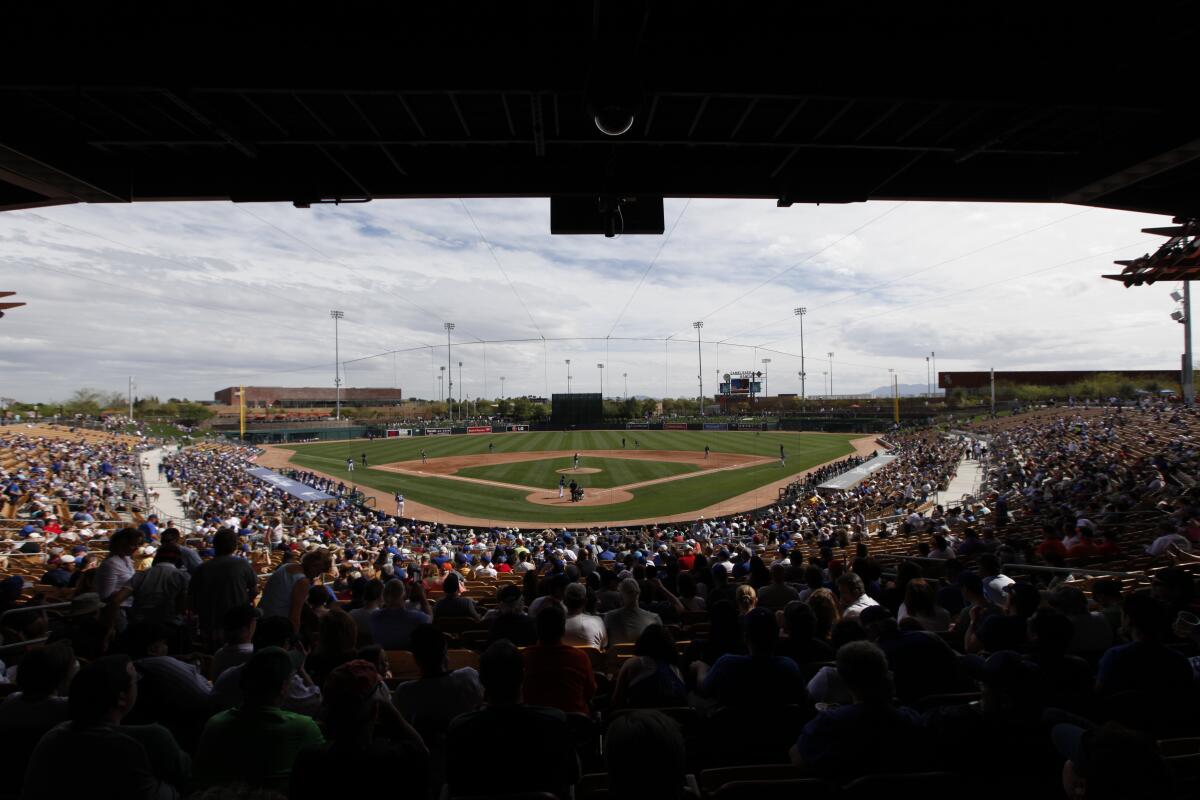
pixel 626 623
pixel 353 710
pixel 509 620
pixel 506 718
pixel 453 604
pixel 392 625
pixel 257 743
pixel 139 761
pixel 557 675
pixel 59 574
pixel 82 627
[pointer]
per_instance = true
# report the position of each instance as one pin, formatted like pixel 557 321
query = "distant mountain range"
pixel 906 390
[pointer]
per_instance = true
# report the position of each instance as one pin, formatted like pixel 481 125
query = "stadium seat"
pixel 926 784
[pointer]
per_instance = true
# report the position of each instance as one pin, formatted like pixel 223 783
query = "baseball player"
pixel 622 442
pixel 562 483
pixel 350 464
pixel 399 505
pixel 706 452
pixel 576 461
pixel 782 458
pixel 364 459
pixel 491 447
pixel 422 456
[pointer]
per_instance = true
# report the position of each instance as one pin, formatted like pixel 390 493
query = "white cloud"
pixel 192 297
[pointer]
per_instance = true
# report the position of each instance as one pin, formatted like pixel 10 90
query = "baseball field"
pixel 628 477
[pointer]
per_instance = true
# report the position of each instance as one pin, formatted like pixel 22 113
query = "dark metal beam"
pixel 1134 173
pixel 416 122
pixel 742 119
pixel 461 119
pixel 207 121
pixel 699 114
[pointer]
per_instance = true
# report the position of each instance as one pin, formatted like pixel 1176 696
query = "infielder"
pixel 350 464
pixel 562 483
pixel 422 456
pixel 706 452
pixel 576 461
pixel 782 458
pixel 364 459
pixel 491 447
pixel 399 505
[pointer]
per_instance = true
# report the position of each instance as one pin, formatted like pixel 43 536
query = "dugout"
pixel 576 409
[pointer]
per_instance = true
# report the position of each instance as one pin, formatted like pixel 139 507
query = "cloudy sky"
pixel 191 297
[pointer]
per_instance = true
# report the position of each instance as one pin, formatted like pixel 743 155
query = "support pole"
pixel 1189 386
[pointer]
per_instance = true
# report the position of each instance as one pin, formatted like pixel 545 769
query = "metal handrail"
pixel 29 609
pixel 1069 571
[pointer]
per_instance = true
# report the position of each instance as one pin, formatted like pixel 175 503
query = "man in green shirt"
pixel 257 742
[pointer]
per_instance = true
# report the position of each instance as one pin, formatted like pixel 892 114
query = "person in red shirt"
pixel 557 675
pixel 1052 544
pixel 502 565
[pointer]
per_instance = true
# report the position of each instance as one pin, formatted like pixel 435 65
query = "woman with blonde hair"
pixel 745 598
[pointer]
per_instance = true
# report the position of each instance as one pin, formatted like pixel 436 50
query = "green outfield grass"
pixel 493 502
pixel 613 471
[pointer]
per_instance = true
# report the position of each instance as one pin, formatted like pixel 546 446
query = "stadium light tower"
pixel 601 368
pixel 449 326
pixel 928 379
pixel 825 381
pixel 700 362
pixel 766 377
pixel 441 383
pixel 801 312
pixel 625 375
pixel 337 376
pixel 460 387
pixel 568 377
pixel 831 374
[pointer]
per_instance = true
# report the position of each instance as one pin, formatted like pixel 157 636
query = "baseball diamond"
pixel 514 482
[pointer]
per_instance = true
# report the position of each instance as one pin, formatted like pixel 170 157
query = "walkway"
pixel 965 482
pixel 167 505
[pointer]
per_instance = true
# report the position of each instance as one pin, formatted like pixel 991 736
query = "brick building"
pixel 306 397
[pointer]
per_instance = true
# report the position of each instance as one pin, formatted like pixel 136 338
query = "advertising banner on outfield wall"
pixel 399 432
pixel 437 431
pixel 746 426
pixel 716 426
pixel 518 428
pixel 479 429
pixel 637 425
pixel 674 426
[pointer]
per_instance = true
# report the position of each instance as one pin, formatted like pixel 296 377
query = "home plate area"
pixel 448 467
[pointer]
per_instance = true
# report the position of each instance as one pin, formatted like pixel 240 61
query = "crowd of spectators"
pixel 305 649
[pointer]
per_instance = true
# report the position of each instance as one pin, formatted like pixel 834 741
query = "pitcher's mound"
pixel 579 471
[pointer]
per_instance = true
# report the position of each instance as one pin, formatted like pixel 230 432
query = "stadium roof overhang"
pixel 824 102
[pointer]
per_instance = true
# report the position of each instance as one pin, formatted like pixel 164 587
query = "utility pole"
pixel 449 326
pixel 1189 385
pixel 568 377
pixel 131 398
pixel 831 374
pixel 801 313
pixel 501 387
pixel 441 383
pixel 895 395
pixel 625 375
pixel 601 368
pixel 993 381
pixel 337 359
pixel 460 391
pixel 933 356
pixel 242 413
pixel 928 380
pixel 700 362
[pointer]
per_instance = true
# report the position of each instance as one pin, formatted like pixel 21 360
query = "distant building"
pixel 980 382
pixel 306 397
